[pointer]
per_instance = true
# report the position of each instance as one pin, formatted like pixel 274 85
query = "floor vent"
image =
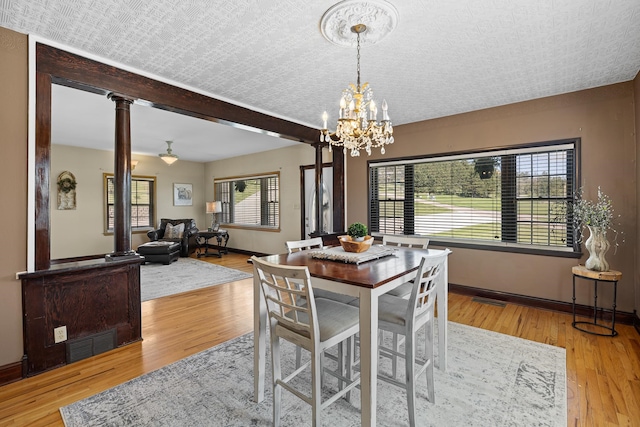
pixel 90 346
pixel 489 302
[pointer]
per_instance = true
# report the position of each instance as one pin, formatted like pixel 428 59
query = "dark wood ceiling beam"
pixel 81 72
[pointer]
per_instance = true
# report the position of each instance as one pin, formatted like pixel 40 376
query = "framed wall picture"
pixel 182 194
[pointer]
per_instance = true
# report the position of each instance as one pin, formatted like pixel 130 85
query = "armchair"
pixel 186 237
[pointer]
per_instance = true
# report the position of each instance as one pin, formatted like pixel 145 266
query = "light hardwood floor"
pixel 603 374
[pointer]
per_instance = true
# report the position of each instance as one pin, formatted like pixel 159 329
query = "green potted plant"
pixel 357 231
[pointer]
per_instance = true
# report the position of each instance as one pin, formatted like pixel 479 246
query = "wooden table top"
pixel 609 276
pixel 369 274
pixel 207 233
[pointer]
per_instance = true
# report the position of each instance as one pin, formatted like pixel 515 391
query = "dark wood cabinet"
pixel 89 298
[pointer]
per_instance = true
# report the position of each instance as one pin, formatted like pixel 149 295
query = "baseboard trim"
pixel 11 373
pixel 249 253
pixel 546 304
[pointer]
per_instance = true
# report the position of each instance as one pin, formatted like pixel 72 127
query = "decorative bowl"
pixel 350 245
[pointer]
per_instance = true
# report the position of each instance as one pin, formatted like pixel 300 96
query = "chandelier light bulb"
pixel 372 111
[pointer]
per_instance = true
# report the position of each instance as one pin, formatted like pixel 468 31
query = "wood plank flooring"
pixel 603 374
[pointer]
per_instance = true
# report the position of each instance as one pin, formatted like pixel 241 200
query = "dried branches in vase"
pixel 598 217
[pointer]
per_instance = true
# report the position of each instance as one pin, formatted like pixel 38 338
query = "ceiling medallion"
pixel 379 16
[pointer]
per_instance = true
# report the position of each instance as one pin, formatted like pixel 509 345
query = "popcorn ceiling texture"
pixel 443 57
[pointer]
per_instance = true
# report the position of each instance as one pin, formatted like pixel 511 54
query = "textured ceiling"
pixel 444 57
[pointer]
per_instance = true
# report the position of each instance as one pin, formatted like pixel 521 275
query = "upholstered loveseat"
pixel 182 231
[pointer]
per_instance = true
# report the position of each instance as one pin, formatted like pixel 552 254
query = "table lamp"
pixel 214 208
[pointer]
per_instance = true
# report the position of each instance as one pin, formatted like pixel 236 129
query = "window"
pixel 142 202
pixel 250 201
pixel 515 197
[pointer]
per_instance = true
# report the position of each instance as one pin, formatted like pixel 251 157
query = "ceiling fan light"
pixel 168 157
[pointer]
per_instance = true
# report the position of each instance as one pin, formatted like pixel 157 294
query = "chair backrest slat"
pixel 289 296
pixel 406 241
pixel 298 245
pixel 422 295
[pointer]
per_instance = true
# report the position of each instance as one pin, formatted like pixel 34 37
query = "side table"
pixel 597 276
pixel 202 239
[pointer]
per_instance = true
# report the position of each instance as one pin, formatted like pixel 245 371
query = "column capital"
pixel 118 97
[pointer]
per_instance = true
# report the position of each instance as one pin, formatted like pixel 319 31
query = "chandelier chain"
pixel 358 58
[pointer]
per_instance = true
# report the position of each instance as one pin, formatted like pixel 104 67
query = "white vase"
pixel 597 245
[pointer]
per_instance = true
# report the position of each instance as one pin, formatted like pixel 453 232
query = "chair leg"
pixel 394 360
pixel 429 355
pixel 350 363
pixel 410 349
pixel 316 390
pixel 341 364
pixel 298 356
pixel 299 362
pixel 321 370
pixel 277 376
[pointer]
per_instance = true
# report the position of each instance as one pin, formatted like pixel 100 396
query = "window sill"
pixel 136 231
pixel 251 227
pixel 518 249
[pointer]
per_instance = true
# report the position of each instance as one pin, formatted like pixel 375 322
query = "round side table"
pixel 596 276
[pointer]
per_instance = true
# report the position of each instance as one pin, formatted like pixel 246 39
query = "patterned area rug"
pixel 186 274
pixel 492 380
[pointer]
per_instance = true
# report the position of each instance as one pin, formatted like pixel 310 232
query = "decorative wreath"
pixel 66 184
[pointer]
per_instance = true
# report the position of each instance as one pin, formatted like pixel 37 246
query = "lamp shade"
pixel 169 158
pixel 214 207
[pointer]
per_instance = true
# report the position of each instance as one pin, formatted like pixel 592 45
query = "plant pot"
pixel 597 245
pixel 350 245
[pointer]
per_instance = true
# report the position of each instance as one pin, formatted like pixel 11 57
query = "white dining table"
pixel 366 281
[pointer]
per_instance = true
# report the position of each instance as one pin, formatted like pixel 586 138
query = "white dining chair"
pixel 308 244
pixel 298 245
pixel 315 325
pixel 422 242
pixel 316 243
pixel 404 290
pixel 405 317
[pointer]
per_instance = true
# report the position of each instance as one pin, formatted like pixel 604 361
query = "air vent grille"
pixel 91 345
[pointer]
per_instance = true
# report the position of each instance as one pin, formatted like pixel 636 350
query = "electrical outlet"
pixel 60 334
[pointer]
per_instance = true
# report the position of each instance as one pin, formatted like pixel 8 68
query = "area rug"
pixel 186 274
pixel 492 380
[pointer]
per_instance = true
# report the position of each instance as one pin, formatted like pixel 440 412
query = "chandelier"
pixel 358 127
pixel 168 157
